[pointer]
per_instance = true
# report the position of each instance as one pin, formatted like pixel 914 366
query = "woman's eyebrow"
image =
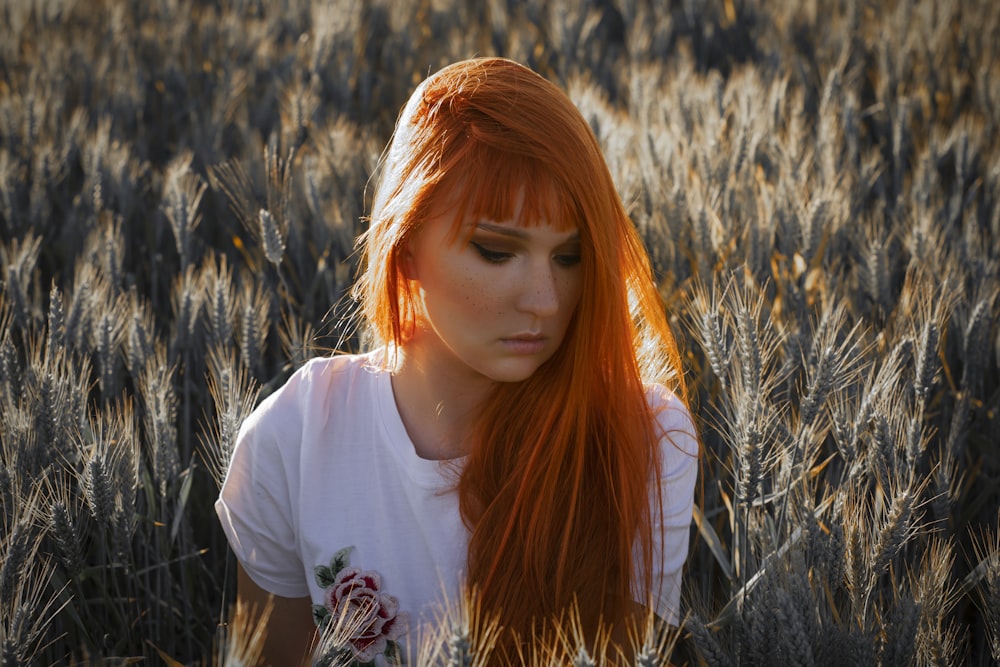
pixel 516 232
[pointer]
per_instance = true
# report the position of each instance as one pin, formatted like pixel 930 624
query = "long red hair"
pixel 557 488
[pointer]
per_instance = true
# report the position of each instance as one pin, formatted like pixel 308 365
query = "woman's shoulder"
pixel 327 369
pixel 312 387
pixel 332 372
pixel 673 418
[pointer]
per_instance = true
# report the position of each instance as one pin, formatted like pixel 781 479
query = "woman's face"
pixel 495 299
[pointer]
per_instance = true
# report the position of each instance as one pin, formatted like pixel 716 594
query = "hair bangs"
pixel 487 183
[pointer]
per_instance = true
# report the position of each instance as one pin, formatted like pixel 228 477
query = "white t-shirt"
pixel 324 471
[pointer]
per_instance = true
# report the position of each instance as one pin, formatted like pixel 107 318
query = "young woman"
pixel 519 428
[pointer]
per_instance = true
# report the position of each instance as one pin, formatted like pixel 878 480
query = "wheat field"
pixel 818 185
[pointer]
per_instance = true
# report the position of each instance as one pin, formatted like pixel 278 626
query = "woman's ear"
pixel 407 260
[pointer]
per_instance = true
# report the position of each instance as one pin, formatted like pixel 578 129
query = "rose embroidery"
pixel 359 620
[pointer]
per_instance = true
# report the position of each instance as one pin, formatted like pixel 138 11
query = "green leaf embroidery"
pixel 340 560
pixel 320 615
pixel 324 576
pixel 393 653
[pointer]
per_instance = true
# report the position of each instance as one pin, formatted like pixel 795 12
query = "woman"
pixel 519 427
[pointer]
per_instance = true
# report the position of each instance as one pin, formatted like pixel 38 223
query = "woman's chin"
pixel 517 369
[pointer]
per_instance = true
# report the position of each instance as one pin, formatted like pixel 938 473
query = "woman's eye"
pixel 493 256
pixel 568 259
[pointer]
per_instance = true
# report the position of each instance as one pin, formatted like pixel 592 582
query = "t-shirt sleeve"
pixel 255 505
pixel 672 519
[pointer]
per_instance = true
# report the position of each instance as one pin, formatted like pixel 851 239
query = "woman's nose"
pixel 539 293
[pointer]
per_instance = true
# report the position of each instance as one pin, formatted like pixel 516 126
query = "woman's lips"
pixel 524 343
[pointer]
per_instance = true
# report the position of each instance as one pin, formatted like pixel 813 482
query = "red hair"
pixel 556 489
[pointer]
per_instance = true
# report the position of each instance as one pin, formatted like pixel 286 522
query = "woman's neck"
pixel 437 400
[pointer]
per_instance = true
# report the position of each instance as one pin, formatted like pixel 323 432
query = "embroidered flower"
pixel 364 618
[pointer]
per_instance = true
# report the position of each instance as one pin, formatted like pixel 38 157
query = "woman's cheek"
pixel 480 293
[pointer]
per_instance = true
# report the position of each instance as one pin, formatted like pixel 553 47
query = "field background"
pixel 817 183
